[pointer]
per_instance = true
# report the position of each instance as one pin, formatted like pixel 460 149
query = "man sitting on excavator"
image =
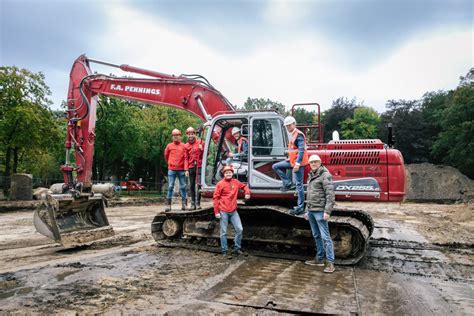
pixel 297 160
pixel 242 150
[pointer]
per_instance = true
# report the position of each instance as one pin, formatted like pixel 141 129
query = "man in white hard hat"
pixel 297 160
pixel 242 149
pixel 319 204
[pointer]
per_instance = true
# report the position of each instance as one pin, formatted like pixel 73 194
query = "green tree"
pixel 157 124
pixel 131 138
pixel 409 129
pixel 363 125
pixel 303 116
pixel 432 106
pixel 263 104
pixel 454 145
pixel 341 109
pixel 27 126
pixel 118 140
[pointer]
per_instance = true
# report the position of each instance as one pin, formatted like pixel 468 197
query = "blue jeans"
pixel 172 174
pixel 280 168
pixel 235 220
pixel 321 235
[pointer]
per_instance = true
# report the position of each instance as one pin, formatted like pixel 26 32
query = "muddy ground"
pixel 420 262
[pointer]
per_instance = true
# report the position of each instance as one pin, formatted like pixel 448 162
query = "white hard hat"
pixel 314 158
pixel 235 130
pixel 289 120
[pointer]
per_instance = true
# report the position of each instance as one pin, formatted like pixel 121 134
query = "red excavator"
pixel 363 170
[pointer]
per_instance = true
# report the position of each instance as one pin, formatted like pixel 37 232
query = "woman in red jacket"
pixel 225 209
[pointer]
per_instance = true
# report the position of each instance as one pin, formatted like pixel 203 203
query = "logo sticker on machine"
pixel 117 87
pixel 362 184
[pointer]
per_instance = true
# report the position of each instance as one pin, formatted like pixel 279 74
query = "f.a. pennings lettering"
pixel 117 87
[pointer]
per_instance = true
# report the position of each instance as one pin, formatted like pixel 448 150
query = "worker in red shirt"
pixel 177 159
pixel 194 150
pixel 225 209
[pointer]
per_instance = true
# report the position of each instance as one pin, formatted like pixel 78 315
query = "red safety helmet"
pixel 228 168
pixel 176 132
pixel 190 130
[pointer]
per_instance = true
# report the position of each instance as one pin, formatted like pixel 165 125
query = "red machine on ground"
pixel 131 185
pixel 365 170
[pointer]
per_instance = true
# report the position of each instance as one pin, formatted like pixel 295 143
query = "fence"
pixel 145 188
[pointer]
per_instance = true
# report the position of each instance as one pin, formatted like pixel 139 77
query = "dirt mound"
pixel 428 182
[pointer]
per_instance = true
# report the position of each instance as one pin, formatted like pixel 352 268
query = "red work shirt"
pixel 194 151
pixel 225 195
pixel 176 156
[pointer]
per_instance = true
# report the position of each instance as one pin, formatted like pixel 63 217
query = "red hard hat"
pixel 228 168
pixel 176 132
pixel 190 130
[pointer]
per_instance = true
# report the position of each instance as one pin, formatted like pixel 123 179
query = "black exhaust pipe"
pixel 390 141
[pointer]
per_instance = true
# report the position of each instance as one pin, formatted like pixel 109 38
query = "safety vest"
pixel 293 149
pixel 239 143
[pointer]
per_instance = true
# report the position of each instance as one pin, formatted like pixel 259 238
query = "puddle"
pixel 61 276
pixel 16 292
pixel 394 231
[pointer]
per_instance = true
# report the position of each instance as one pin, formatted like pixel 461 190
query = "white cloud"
pixel 429 62
pixel 288 69
pixel 286 12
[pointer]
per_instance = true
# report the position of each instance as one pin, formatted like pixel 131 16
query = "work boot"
pixel 184 204
pixel 193 206
pixel 315 262
pixel 227 255
pixel 329 268
pixel 296 211
pixel 239 252
pixel 198 202
pixel 168 205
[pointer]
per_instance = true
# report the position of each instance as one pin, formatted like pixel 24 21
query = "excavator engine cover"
pixel 72 221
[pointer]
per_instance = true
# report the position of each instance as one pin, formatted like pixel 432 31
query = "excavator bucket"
pixel 72 221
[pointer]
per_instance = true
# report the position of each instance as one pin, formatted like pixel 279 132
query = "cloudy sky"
pixel 288 51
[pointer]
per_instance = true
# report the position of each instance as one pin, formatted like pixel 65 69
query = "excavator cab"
pixel 267 144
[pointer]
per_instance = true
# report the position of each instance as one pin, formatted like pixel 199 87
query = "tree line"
pixel 131 136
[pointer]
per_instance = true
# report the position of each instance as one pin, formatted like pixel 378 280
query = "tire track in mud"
pixel 450 262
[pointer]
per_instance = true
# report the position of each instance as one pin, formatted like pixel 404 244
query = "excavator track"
pixel 269 231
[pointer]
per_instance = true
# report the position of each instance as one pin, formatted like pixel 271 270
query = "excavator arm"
pixel 192 93
pixel 73 213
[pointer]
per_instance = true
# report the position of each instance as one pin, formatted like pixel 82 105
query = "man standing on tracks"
pixel 194 149
pixel 320 202
pixel 297 160
pixel 225 209
pixel 177 159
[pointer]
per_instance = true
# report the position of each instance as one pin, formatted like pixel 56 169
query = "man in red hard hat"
pixel 225 209
pixel 194 150
pixel 177 159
